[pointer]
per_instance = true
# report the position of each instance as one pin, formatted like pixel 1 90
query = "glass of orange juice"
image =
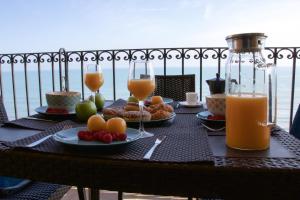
pixel 141 83
pixel 93 77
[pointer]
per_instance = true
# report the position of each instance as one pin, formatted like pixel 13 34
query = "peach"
pixel 116 125
pixel 156 100
pixel 96 123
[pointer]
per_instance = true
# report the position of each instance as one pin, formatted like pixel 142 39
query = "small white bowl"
pixel 216 104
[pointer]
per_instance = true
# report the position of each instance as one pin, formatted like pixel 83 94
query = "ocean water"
pixel 284 86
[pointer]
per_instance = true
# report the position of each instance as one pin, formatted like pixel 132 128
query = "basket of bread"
pixel 156 111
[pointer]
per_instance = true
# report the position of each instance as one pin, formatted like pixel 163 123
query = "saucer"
pixel 43 110
pixel 185 104
pixel 204 116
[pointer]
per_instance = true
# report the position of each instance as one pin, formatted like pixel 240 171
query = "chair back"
pixel 174 86
pixel 3 114
pixel 295 128
pixel 144 76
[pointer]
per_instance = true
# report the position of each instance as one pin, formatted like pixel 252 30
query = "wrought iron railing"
pixel 62 59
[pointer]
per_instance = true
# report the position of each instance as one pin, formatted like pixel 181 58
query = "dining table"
pixel 191 162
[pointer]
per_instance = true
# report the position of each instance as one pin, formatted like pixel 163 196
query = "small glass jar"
pixel 250 93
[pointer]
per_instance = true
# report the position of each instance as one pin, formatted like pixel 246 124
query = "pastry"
pixel 156 100
pixel 161 106
pixel 168 108
pixel 148 109
pixel 130 106
pixel 160 114
pixel 135 116
pixel 112 112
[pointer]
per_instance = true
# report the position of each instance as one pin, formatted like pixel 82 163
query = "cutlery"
pixel 213 129
pixel 33 144
pixel 150 152
pixel 38 119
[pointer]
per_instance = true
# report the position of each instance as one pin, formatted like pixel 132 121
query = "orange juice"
pixel 246 122
pixel 141 88
pixel 93 80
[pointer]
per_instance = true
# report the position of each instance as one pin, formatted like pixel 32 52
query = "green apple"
pixel 92 98
pixel 99 101
pixel 85 109
pixel 132 99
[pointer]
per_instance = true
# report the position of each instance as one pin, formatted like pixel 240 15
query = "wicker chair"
pixel 3 114
pixel 34 190
pixel 295 128
pixel 174 86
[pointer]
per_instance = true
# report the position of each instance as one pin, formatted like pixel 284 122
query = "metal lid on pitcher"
pixel 246 42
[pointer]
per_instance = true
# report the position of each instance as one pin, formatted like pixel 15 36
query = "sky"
pixel 47 25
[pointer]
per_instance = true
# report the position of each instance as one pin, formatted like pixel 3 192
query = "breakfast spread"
pixel 100 130
pixel 157 110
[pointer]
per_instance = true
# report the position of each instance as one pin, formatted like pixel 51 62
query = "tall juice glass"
pixel 141 83
pixel 93 77
pixel 246 121
pixel 250 93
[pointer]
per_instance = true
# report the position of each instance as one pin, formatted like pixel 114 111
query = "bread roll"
pixel 131 107
pixel 160 114
pixel 112 112
pixel 168 108
pixel 161 106
pixel 135 116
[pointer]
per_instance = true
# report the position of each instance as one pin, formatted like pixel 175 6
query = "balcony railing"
pixel 26 77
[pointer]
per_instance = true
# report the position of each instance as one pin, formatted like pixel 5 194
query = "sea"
pixel 284 83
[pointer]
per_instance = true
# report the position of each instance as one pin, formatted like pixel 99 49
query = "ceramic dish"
pixel 151 122
pixel 63 100
pixel 43 110
pixel 9 185
pixel 185 104
pixel 204 116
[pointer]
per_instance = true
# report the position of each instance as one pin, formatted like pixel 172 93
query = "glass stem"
pixel 92 94
pixel 141 105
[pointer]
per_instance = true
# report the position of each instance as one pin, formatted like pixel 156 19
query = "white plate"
pixel 185 104
pixel 69 137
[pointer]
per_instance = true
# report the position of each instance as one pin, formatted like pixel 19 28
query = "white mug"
pixel 192 98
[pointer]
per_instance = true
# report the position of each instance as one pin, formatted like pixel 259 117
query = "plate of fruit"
pixel 99 132
pixel 155 113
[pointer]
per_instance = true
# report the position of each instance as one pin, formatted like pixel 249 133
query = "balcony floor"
pixel 109 195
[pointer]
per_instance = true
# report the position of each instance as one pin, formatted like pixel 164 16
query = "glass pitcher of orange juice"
pixel 250 93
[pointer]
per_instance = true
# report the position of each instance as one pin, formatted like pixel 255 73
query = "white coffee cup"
pixel 192 98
